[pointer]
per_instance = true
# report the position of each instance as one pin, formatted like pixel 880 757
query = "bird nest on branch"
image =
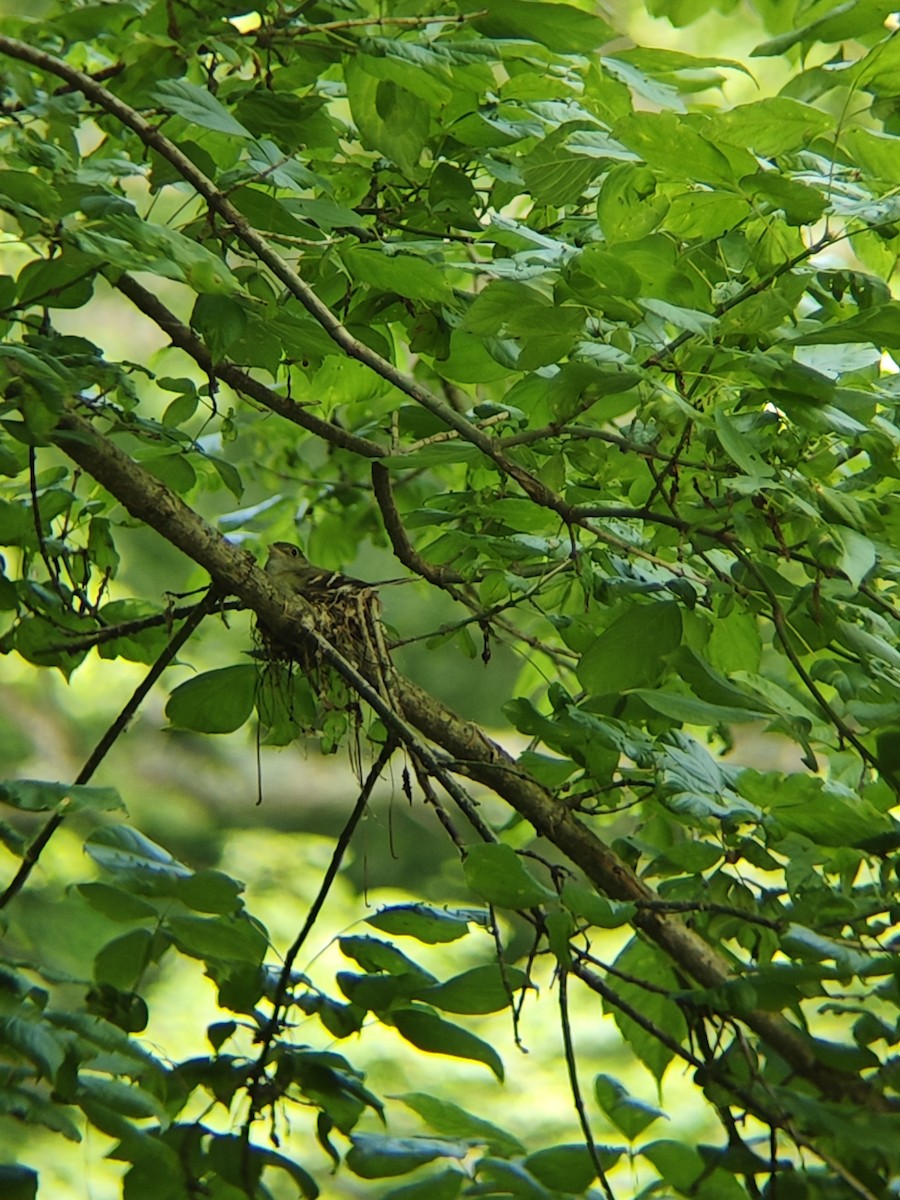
pixel 300 685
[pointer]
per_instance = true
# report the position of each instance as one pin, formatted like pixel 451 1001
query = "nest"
pixel 300 679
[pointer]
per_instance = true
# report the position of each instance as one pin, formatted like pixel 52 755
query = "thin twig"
pixel 264 37
pixel 572 1068
pixel 36 847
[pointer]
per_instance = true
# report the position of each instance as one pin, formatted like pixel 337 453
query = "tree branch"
pixel 234 571
pixel 185 339
pixel 119 725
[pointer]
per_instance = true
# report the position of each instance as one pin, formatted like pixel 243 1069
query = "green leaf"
pixel 373 1156
pixel 230 939
pixel 555 175
pixel 691 711
pixel 123 961
pixel 451 1121
pixel 569 1168
pixel 445 1185
pixel 479 990
pixel 630 1116
pixel 24 192
pixel 642 961
pixel 406 274
pixel 497 874
pixel 390 119
pixel 217 701
pixel 38 795
pixel 210 891
pixel 676 144
pixel 128 852
pixel 739 448
pixel 858 553
pixel 628 207
pixel 582 902
pixel 374 955
pixel 18 1182
pixel 33 1109
pixel 429 1032
pixel 824 812
pixel 221 321
pixel 426 924
pixel 631 652
pixel 801 204
pixel 127 1099
pixel 844 20
pixel 199 106
pixel 33 1041
pixel 560 27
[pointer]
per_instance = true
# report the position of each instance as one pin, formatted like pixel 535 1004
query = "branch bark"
pixel 235 572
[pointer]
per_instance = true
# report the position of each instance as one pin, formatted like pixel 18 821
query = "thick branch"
pixel 403 547
pixel 219 204
pixel 234 571
pixel 185 339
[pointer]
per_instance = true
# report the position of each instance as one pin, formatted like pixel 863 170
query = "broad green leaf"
pixel 569 1168
pixel 479 990
pixel 373 1156
pixel 429 1032
pixel 123 961
pixel 17 1182
pixel 222 939
pixel 445 1185
pixel 217 701
pixel 629 207
pixel 127 1099
pixel 451 1121
pixel 858 556
pixel 406 274
pixel 843 20
pixel 38 795
pixel 641 961
pixel 32 1041
pixel 826 813
pixel 374 955
pixel 677 145
pixel 555 175
pixel 199 106
pixel 390 119
pixel 424 923
pixel 128 852
pixel 691 711
pixel 801 204
pixel 33 1109
pixel 605 914
pixel 773 126
pixel 739 447
pixel 631 652
pixel 221 321
pixel 629 1115
pixel 497 874
pixel 560 27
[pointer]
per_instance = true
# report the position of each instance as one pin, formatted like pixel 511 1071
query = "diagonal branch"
pixel 185 339
pixel 115 730
pixel 421 716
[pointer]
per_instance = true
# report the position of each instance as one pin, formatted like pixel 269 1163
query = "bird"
pixel 291 570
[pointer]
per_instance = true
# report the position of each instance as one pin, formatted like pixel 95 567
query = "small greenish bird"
pixel 292 571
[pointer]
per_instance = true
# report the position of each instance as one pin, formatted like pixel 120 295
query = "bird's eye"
pixel 293 551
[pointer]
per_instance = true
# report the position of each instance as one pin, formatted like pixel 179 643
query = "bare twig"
pixel 36 847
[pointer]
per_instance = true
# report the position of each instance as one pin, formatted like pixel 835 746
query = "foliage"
pixel 600 355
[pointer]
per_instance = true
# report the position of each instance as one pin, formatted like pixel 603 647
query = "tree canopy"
pixel 593 336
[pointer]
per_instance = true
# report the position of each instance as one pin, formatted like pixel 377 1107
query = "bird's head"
pixel 287 565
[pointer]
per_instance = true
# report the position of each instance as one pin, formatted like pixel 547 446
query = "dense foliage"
pixel 595 337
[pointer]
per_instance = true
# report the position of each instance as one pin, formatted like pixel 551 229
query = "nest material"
pixel 348 616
